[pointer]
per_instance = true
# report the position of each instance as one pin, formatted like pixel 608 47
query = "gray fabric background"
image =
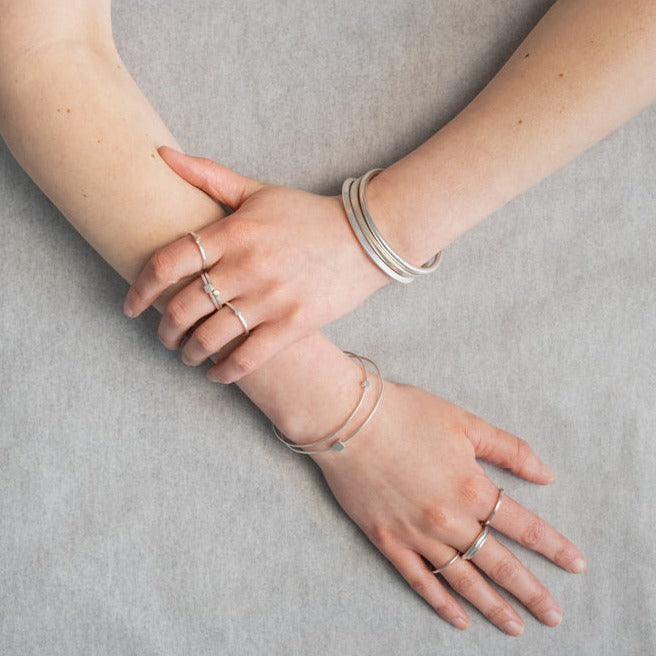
pixel 145 511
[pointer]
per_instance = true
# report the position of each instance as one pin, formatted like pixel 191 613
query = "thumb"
pixel 219 182
pixel 509 451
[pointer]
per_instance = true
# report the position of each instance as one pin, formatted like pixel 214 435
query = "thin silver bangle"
pixel 340 444
pixel 364 384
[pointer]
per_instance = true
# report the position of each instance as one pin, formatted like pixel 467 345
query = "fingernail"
pixel 552 617
pixel 459 623
pixel 128 311
pixel 185 361
pixel 548 473
pixel 513 628
pixel 578 566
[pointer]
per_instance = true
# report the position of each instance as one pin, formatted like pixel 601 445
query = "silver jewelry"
pixel 201 250
pixel 477 544
pixel 211 290
pixel 340 444
pixel 372 241
pixel 364 385
pixel 239 316
pixel 497 505
pixel 439 570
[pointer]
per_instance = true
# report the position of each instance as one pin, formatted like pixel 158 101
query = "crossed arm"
pixel 584 69
pixel 78 124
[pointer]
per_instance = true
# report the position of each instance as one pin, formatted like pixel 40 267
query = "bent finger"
pixel 188 306
pixel 262 345
pixel 218 181
pixel 220 329
pixel 170 264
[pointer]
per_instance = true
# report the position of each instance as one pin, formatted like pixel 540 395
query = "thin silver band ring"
pixel 201 250
pixel 439 570
pixel 211 291
pixel 239 316
pixel 477 544
pixel 497 505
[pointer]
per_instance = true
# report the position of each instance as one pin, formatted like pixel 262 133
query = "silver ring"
pixel 439 570
pixel 497 505
pixel 239 316
pixel 201 250
pixel 211 291
pixel 477 544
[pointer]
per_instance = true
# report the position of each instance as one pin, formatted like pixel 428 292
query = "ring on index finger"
pixel 201 250
pixel 497 505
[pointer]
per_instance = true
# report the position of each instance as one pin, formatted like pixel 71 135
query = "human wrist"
pixel 307 389
pixel 392 201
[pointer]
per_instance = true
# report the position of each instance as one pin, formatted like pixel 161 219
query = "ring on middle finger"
pixel 211 290
pixel 477 544
pixel 441 568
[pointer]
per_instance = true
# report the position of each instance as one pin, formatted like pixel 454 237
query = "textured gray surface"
pixel 145 511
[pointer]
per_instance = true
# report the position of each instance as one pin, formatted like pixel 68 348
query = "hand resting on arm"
pixel 290 258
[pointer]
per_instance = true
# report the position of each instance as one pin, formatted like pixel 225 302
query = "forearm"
pixel 585 68
pixel 78 124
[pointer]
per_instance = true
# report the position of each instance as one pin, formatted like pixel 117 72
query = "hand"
pixel 286 259
pixel 411 481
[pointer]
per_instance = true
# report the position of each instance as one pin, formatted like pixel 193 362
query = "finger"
pixel 530 530
pixel 413 569
pixel 506 450
pixel 189 305
pixel 262 345
pixel 218 330
pixel 504 568
pixel 216 180
pixel 169 265
pixel 468 582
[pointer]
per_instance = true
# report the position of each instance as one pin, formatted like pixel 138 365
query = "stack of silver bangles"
pixel 381 253
pixel 339 444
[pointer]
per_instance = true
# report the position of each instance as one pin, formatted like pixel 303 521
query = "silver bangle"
pixel 364 384
pixel 339 444
pixel 370 238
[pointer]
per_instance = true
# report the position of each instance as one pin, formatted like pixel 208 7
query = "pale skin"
pixel 585 68
pixel 78 124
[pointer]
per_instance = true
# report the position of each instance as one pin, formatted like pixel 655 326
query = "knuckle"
pixel 498 614
pixel 161 266
pixel 205 340
pixel 177 312
pixel 533 534
pixel 243 363
pixel 539 601
pixel 434 517
pixel 381 535
pixel 504 571
pixel 420 585
pixel 445 609
pixel 565 557
pixel 463 584
pixel 522 453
